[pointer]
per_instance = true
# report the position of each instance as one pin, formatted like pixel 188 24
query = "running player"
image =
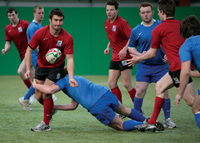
pixel 48 37
pixel 118 32
pixel 149 70
pixel 16 32
pixel 170 40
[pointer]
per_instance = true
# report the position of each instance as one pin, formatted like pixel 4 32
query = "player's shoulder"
pixel 8 26
pixel 121 20
pixel 24 22
pixel 65 34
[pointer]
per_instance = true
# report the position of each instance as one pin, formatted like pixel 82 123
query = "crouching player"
pixel 99 101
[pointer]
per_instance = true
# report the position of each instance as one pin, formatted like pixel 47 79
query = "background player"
pixel 48 37
pixel 16 32
pixel 189 54
pixel 149 70
pixel 118 32
pixel 170 40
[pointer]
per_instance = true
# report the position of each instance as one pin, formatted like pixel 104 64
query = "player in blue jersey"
pixel 38 13
pixel 97 99
pixel 148 71
pixel 189 54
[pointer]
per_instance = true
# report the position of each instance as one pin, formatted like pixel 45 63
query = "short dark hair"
pixel 189 26
pixel 114 3
pixel 10 10
pixel 168 7
pixel 146 4
pixel 37 6
pixel 57 12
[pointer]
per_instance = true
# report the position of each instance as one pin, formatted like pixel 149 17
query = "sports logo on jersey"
pixel 20 29
pixel 59 43
pixel 114 28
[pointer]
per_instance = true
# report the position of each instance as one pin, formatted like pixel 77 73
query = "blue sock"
pixel 30 92
pixel 166 108
pixel 129 125
pixel 138 103
pixel 197 119
pixel 136 115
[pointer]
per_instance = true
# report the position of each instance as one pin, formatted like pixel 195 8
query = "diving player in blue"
pixel 190 54
pixel 98 100
pixel 148 71
pixel 32 28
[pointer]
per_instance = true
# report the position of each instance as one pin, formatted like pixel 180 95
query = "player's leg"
pixel 112 82
pixel 162 85
pixel 126 79
pixel 141 91
pixel 21 71
pixel 196 108
pixel 189 94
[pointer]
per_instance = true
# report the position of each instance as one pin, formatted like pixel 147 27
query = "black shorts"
pixel 120 65
pixel 53 74
pixel 176 77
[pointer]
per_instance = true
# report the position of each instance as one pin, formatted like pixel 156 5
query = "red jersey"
pixel 18 36
pixel 118 34
pixel 46 41
pixel 167 35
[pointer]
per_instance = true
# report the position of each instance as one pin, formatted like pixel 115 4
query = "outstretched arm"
pixel 67 107
pixel 7 47
pixel 47 89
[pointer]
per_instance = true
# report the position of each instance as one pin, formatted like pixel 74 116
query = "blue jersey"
pixel 86 94
pixel 141 38
pixel 190 51
pixel 32 28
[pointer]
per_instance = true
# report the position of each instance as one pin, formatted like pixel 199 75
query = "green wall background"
pixel 86 25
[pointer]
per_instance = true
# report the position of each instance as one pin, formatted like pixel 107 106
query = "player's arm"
pixel 70 69
pixel 6 48
pixel 107 50
pixel 28 57
pixel 134 51
pixel 123 52
pixel 148 55
pixel 47 89
pixel 194 73
pixel 184 78
pixel 67 107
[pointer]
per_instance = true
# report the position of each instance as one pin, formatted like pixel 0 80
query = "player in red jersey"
pixel 118 32
pixel 16 31
pixel 48 37
pixel 167 34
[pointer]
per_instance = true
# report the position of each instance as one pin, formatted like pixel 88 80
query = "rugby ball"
pixel 53 55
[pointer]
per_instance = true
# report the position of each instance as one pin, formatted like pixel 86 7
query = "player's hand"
pixel 122 53
pixel 133 61
pixel 34 83
pixel 73 82
pixel 107 51
pixel 178 99
pixel 27 74
pixel 3 51
pixel 165 59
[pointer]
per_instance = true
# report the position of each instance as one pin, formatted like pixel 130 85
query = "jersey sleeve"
pixel 133 42
pixel 7 37
pixel 69 46
pixel 126 29
pixel 35 40
pixel 61 83
pixel 184 52
pixel 156 38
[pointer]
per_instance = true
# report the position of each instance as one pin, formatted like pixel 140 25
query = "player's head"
pixel 166 8
pixel 190 26
pixel 12 14
pixel 112 9
pixel 56 18
pixel 38 13
pixel 146 12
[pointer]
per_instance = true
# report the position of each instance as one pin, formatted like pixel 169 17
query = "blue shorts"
pixel 104 108
pixel 151 73
pixel 34 58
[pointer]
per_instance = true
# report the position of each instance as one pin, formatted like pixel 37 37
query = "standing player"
pixel 149 70
pixel 38 13
pixel 16 31
pixel 48 37
pixel 170 40
pixel 98 100
pixel 189 54
pixel 118 32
